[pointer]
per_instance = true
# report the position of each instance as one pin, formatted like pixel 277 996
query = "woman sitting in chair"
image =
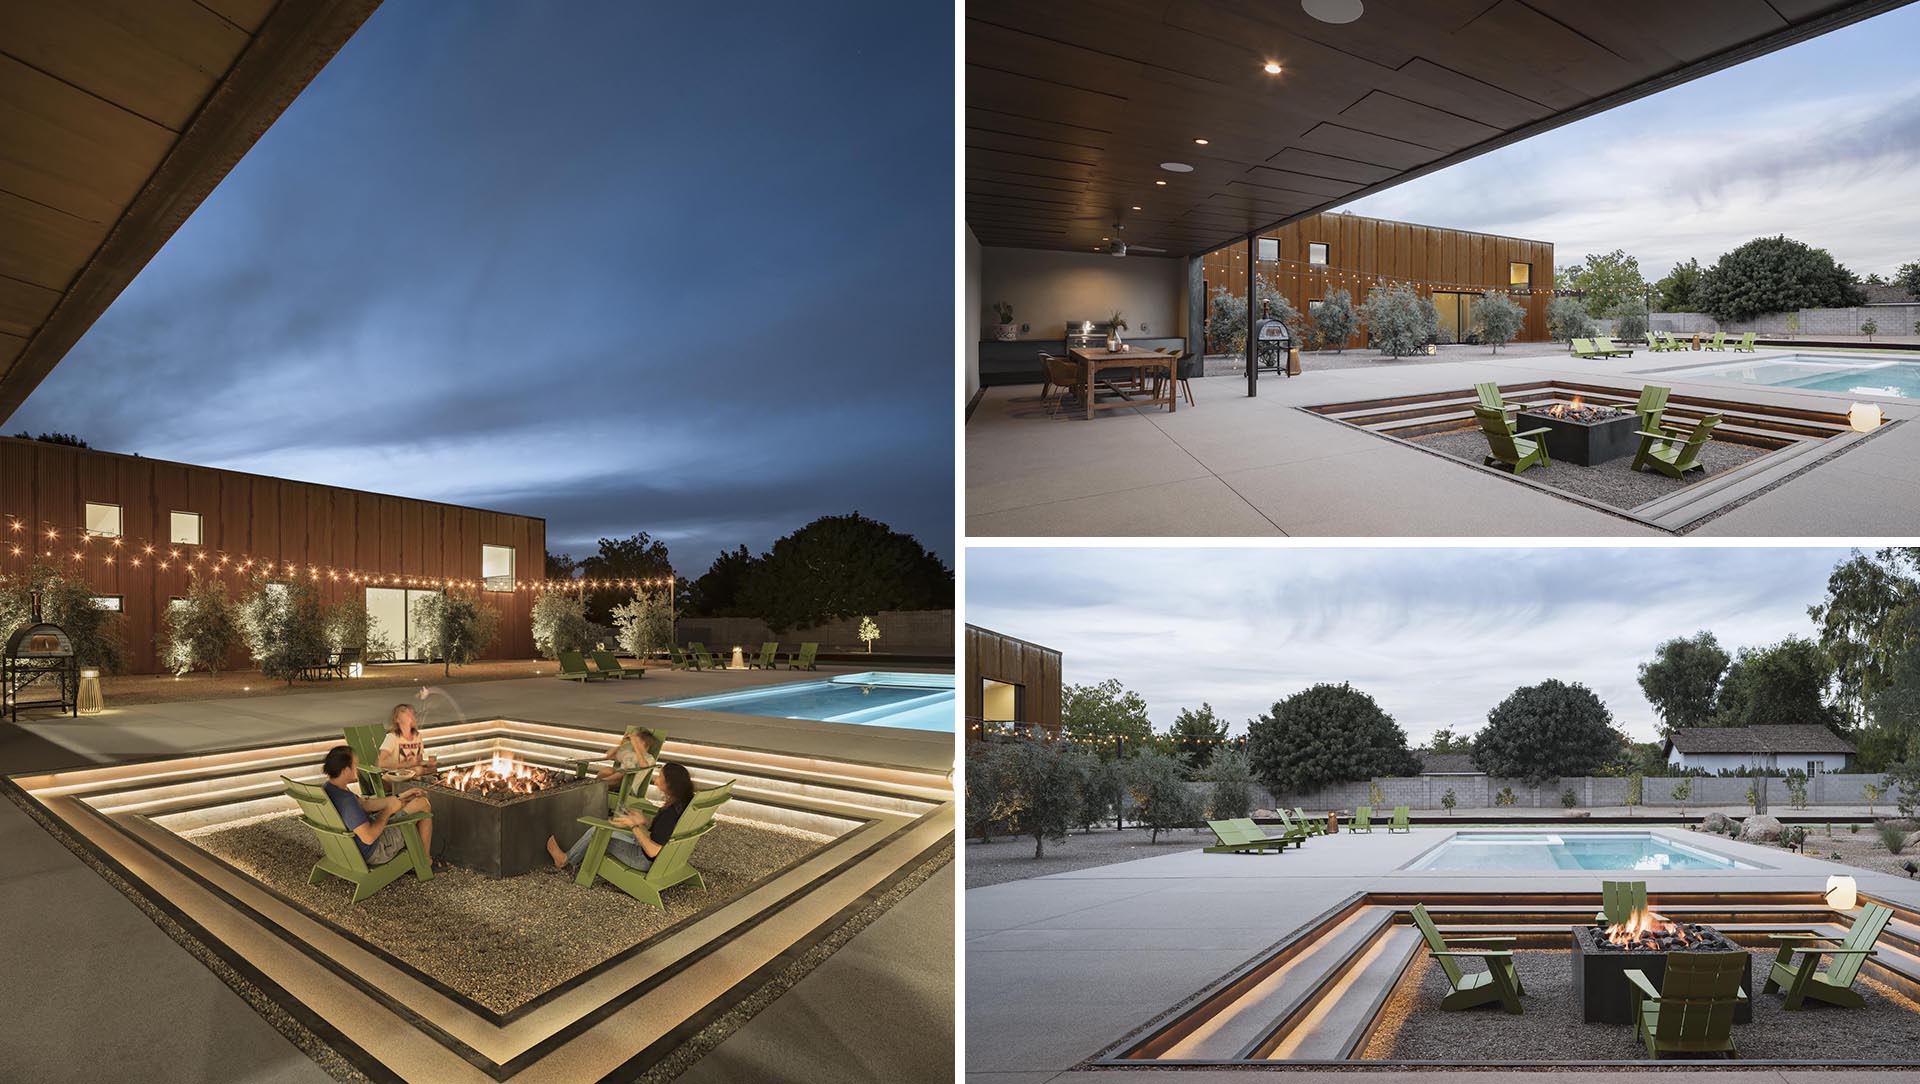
pixel 635 750
pixel 404 750
pixel 644 836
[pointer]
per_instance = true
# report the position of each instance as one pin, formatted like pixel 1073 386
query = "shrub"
pixel 1797 791
pixel 1232 792
pixel 1398 322
pixel 1448 801
pixel 1868 328
pixel 1872 794
pixel 1891 836
pixel 1630 318
pixel 1335 320
pixel 559 624
pixel 989 801
pixel 1567 319
pixel 1158 791
pixel 458 626
pixel 1374 796
pixel 1793 837
pixel 1102 791
pixel 199 631
pixel 67 602
pixel 1505 797
pixel 1497 320
pixel 644 624
pixel 1635 788
pixel 1568 798
pixel 1682 791
pixel 284 626
pixel 1753 798
pixel 348 627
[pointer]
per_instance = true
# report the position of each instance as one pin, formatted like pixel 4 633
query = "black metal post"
pixel 1253 368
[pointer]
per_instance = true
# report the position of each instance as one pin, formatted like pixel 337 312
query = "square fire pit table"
pixel 1574 438
pixel 493 829
pixel 1599 974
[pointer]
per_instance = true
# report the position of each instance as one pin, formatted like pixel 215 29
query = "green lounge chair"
pixel 1499 982
pixel 1362 820
pixel 1620 901
pixel 574 668
pixel 1313 827
pixel 704 659
pixel 805 659
pixel 1489 393
pixel 610 667
pixel 1692 1012
pixel 1298 833
pixel 767 657
pixel 1245 837
pixel 1401 821
pixel 1652 404
pixel 365 743
pixel 1746 343
pixel 341 855
pixel 1517 451
pixel 1664 449
pixel 1834 985
pixel 1583 348
pixel 670 867
pixel 1604 346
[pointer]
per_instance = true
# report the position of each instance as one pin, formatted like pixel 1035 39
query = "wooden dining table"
pixel 1092 361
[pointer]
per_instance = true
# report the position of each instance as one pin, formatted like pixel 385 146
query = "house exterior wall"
pixel 249 517
pixel 1589 792
pixel 1716 762
pixel 995 656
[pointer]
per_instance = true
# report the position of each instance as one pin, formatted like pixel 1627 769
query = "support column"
pixel 1197 311
pixel 1253 370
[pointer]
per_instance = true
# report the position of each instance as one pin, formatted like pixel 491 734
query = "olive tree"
pixel 1044 784
pixel 644 624
pixel 1232 792
pixel 1630 318
pixel 1160 793
pixel 1497 320
pixel 66 600
pixel 560 624
pixel 285 626
pixel 459 627
pixel 1398 321
pixel 1567 320
pixel 200 630
pixel 1336 320
pixel 989 798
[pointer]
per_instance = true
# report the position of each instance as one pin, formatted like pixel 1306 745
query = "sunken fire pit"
pixel 1602 955
pixel 496 814
pixel 1581 433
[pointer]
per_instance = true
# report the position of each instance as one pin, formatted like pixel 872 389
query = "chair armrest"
pixel 1534 432
pixel 1639 978
pixel 410 818
pixel 1800 937
pixel 1488 941
pixel 1655 436
pixel 600 822
pixel 1818 950
pixel 1472 954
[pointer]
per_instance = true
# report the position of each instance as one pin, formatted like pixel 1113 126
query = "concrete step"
pixel 1336 1026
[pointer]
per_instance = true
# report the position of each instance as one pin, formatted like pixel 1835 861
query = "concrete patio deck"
pixel 1234 466
pixel 880 1008
pixel 1061 967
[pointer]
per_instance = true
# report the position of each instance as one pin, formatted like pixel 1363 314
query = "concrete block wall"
pixel 1892 320
pixel 1479 791
pixel 902 632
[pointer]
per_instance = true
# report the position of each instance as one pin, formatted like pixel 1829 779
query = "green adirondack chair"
pixel 1298 833
pixel 341 855
pixel 805 659
pixel 768 652
pixel 1402 821
pixel 1659 343
pixel 610 666
pixel 1746 343
pixel 1517 450
pixel 670 867
pixel 574 668
pixel 1664 450
pixel 1242 836
pixel 1619 900
pixel 1719 341
pixel 1362 820
pixel 703 659
pixel 1604 346
pixel 1499 982
pixel 1834 985
pixel 680 659
pixel 1490 397
pixel 1652 405
pixel 632 790
pixel 365 743
pixel 1692 1012
pixel 1313 827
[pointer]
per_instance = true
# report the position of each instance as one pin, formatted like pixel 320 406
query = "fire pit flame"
pixel 1646 929
pixel 1578 410
pixel 499 777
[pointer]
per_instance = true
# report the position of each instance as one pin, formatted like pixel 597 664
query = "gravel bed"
pixel 1010 858
pixel 1412 1027
pixel 503 942
pixel 1862 848
pixel 1614 483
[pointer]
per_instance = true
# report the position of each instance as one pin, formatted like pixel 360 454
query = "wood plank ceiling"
pixel 1071 105
pixel 117 117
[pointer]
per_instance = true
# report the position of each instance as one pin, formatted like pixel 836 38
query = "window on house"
pixel 999 701
pixel 103 520
pixel 1313 305
pixel 186 528
pixel 496 567
pixel 1815 767
pixel 110 603
pixel 1317 254
pixel 1267 248
pixel 1520 276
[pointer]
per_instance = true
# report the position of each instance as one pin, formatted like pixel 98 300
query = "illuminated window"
pixel 186 528
pixel 1313 306
pixel 1520 276
pixel 496 567
pixel 103 520
pixel 110 603
pixel 999 701
pixel 1268 249
pixel 1317 254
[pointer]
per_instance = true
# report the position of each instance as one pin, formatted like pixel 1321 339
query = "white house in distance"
pixel 1812 749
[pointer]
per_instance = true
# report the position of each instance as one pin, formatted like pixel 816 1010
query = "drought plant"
pixel 1336 320
pixel 1497 319
pixel 1794 838
pixel 1448 801
pixel 200 630
pixel 1568 798
pixel 1159 793
pixel 1868 328
pixel 1400 321
pixel 644 624
pixel 458 626
pixel 1753 798
pixel 1630 318
pixel 1505 797
pixel 869 632
pixel 1872 794
pixel 560 624
pixel 1567 319
pixel 1793 324
pixel 1635 785
pixel 1892 836
pixel 1682 791
pixel 1797 791
pixel 1374 796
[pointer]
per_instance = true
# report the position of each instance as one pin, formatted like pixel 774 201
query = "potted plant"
pixel 1004 331
pixel 1114 327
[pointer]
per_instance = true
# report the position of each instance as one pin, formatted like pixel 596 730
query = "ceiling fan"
pixel 1118 247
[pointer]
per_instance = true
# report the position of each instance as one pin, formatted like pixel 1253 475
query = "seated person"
pixel 367 818
pixel 635 750
pixel 404 749
pixel 641 842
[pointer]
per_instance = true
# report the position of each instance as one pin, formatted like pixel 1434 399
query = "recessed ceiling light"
pixel 1176 167
pixel 1202 142
pixel 1136 208
pixel 1272 67
pixel 1161 183
pixel 1334 11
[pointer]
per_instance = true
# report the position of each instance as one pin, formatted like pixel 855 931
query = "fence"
pixel 902 632
pixel 1890 321
pixel 1478 791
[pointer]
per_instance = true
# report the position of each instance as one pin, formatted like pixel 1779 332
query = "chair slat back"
pixel 1653 403
pixel 1866 930
pixel 1620 899
pixel 1401 816
pixel 694 822
pixel 1489 392
pixel 1286 824
pixel 571 662
pixel 1363 816
pixel 319 813
pixel 1696 440
pixel 365 742
pixel 807 652
pixel 1698 995
pixel 1604 344
pixel 769 649
pixel 1435 943
pixel 1499 434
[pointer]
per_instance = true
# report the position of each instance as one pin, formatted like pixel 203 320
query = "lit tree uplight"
pixel 869 632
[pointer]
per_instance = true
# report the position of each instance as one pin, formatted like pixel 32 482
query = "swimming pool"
pixel 871 698
pixel 1854 374
pixel 1587 850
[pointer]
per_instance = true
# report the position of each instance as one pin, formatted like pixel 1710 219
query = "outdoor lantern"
pixel 354 670
pixel 1865 417
pixel 1433 348
pixel 1842 892
pixel 87 700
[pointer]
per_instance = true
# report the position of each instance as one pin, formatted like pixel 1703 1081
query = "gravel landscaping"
pixel 503 942
pixel 1614 483
pixel 1412 1027
pixel 1010 858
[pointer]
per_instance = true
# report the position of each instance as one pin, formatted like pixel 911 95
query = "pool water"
pixel 1643 851
pixel 1852 374
pixel 872 698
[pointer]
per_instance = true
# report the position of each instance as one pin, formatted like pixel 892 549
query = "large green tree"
pixel 1444 740
pixel 1682 678
pixel 1195 734
pixel 1860 623
pixel 1326 734
pixel 1679 289
pixel 1909 277
pixel 844 566
pixel 717 593
pixel 1780 685
pixel 1605 279
pixel 1547 731
pixel 639 557
pixel 1160 793
pixel 1106 717
pixel 1776 274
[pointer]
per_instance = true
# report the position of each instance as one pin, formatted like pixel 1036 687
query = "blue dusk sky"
pixel 1438 636
pixel 1820 141
pixel 684 269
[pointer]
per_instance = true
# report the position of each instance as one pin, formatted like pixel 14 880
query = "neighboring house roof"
pixel 1807 738
pixel 1448 764
pixel 1889 295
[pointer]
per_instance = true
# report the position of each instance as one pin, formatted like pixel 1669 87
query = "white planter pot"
pixel 1005 333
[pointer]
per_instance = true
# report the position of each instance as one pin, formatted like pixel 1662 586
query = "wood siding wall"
pixel 1363 251
pixel 47 485
pixel 993 656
